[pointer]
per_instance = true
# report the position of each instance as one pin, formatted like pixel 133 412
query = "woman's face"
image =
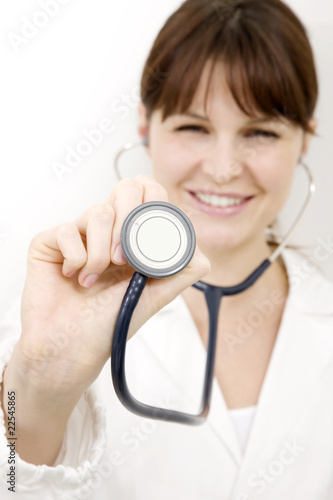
pixel 229 173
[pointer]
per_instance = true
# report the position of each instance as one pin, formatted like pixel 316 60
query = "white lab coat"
pixel 110 453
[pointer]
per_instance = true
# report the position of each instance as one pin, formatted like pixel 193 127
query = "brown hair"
pixel 267 55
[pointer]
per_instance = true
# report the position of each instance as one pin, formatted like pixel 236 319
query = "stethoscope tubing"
pixel 118 353
pixel 213 296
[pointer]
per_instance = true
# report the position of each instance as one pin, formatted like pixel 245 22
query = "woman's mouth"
pixel 217 204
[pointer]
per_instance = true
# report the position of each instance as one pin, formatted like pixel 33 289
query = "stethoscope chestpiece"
pixel 158 239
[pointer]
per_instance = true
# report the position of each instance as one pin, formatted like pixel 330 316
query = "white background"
pixel 76 71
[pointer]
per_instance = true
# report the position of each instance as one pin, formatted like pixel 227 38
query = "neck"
pixel 230 268
pixel 265 299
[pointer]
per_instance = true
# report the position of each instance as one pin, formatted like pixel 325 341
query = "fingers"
pixel 69 242
pixel 92 241
pixel 102 224
pixel 167 289
pixel 98 241
pixel 60 245
pixel 160 292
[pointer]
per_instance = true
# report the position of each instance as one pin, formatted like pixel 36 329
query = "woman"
pixel 228 95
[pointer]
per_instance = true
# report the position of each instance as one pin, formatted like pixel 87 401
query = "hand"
pixel 74 288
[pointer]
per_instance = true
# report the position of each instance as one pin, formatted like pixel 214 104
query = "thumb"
pixel 162 291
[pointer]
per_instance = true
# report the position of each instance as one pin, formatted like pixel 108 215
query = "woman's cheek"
pixel 173 164
pixel 274 170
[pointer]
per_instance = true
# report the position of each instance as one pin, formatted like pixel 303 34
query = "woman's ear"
pixel 313 123
pixel 143 123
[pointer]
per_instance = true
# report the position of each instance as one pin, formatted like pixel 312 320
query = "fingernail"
pixel 119 256
pixel 89 280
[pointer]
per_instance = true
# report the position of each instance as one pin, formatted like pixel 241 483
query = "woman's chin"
pixel 218 246
pixel 218 242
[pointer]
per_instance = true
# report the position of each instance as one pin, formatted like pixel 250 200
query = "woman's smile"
pixel 225 205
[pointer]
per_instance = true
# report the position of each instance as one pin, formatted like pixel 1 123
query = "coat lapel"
pixel 301 353
pixel 302 350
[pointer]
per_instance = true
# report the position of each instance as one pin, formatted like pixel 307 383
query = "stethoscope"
pixel 158 240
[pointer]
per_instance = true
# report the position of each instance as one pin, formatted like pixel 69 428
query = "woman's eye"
pixel 263 133
pixel 193 128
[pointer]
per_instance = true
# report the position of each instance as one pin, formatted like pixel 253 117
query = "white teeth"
pixel 219 201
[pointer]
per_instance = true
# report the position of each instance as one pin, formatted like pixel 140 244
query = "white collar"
pixel 309 289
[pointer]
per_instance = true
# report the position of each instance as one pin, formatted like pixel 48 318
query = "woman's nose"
pixel 222 162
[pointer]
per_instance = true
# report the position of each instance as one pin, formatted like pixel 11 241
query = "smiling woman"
pixel 259 57
pixel 228 92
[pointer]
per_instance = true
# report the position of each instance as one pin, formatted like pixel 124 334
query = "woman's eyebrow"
pixel 264 119
pixel 192 114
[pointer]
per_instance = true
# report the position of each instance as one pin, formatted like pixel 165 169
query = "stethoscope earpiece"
pixel 158 239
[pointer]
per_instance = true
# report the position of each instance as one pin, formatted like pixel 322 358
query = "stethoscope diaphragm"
pixel 158 239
